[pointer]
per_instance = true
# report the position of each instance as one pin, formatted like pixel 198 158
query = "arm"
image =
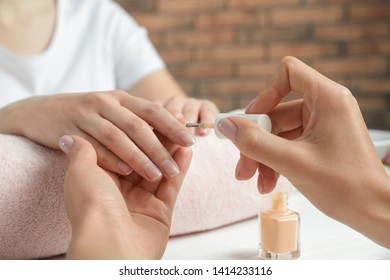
pixel 157 87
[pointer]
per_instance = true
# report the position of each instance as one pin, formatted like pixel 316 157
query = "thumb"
pixel 258 144
pixel 79 150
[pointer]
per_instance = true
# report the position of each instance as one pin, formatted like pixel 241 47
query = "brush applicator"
pixel 259 119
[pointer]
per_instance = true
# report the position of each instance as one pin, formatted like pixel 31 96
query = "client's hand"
pixel 192 110
pixel 114 217
pixel 121 127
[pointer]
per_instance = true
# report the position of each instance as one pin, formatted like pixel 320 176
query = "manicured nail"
pixel 247 107
pixel 66 143
pixel 228 129
pixel 124 168
pixel 260 184
pixel 152 172
pixel 386 159
pixel 170 168
pixel 187 138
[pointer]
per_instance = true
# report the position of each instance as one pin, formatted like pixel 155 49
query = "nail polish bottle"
pixel 279 229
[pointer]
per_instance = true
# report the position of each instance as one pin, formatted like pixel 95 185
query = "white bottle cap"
pixel 261 119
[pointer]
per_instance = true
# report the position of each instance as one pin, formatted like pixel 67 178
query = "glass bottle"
pixel 279 229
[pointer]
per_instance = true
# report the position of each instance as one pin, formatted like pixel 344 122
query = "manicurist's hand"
pixel 192 110
pixel 114 217
pixel 321 144
pixel 122 128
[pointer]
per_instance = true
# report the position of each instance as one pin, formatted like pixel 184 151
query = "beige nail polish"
pixel 279 229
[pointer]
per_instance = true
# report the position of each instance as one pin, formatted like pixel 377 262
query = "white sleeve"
pixel 133 53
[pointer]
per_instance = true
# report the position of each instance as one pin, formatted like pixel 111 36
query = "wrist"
pixel 97 236
pixel 372 216
pixel 9 119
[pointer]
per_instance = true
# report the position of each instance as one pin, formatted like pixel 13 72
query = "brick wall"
pixel 226 50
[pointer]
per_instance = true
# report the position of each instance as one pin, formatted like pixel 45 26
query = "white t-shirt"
pixel 96 46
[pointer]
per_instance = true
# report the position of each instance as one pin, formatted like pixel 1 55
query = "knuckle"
pixel 137 125
pixel 105 161
pixel 250 142
pixel 344 98
pixel 288 61
pixel 345 92
pixel 136 157
pixel 154 109
pixel 120 94
pixel 112 135
pixel 91 98
pixel 157 151
pixel 94 99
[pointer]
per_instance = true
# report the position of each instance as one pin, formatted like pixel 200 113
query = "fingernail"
pixel 124 168
pixel 66 143
pixel 260 184
pixel 152 172
pixel 386 159
pixel 228 129
pixel 170 168
pixel 187 138
pixel 247 107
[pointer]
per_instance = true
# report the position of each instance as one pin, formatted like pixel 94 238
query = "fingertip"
pixel 248 107
pixel 202 132
pixel 186 151
pixel 187 138
pixel 228 129
pixel 183 157
pixel 75 146
pixel 66 143
pixel 260 184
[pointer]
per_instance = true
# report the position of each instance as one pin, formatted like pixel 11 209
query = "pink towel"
pixel 33 221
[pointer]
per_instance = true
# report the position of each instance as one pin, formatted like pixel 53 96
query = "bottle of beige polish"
pixel 279 230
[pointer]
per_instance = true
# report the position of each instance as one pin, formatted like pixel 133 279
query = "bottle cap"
pixel 260 119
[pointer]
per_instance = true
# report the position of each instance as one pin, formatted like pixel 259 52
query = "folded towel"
pixel 33 221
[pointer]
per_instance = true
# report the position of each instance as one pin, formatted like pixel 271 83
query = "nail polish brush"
pixel 261 119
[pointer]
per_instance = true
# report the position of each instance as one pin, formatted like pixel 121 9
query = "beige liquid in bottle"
pixel 279 228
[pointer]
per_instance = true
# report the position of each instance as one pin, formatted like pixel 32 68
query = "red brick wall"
pixel 226 50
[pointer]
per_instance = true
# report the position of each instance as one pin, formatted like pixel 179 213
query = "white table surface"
pixel 322 238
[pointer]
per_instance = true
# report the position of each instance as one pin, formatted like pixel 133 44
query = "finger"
pixel 291 75
pixel 133 178
pixel 169 188
pixel 82 154
pixel 207 113
pixel 146 141
pixel 286 116
pixel 144 159
pixel 292 134
pixel 151 187
pixel 267 179
pixel 175 105
pixel 258 144
pixel 191 110
pixel 245 168
pixel 159 118
pixel 105 158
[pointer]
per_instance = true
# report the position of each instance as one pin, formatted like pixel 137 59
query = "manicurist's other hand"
pixel 321 144
pixel 115 217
